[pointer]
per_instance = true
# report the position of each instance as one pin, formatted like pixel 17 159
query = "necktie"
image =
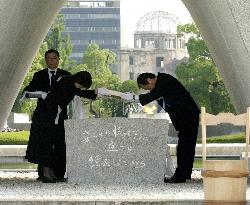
pixel 53 78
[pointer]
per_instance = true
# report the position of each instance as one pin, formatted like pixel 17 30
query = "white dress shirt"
pixel 50 74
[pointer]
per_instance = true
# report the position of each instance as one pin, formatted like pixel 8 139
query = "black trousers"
pixel 47 148
pixel 40 170
pixel 187 137
pixel 58 158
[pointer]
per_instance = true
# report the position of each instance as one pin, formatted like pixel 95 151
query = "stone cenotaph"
pixel 117 151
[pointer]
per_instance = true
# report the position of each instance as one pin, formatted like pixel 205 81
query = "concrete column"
pixel 123 70
pixel 225 25
pixel 24 24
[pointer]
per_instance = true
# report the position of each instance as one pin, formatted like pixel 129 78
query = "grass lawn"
pixel 197 163
pixel 21 138
pixel 14 138
pixel 25 165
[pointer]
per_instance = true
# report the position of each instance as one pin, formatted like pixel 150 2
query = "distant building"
pixel 92 22
pixel 157 47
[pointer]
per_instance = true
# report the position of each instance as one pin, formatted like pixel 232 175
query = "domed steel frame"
pixel 158 21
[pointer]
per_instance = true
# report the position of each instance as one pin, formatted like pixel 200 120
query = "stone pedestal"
pixel 117 151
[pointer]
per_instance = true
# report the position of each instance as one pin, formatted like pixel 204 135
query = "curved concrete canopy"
pixel 225 26
pixel 23 26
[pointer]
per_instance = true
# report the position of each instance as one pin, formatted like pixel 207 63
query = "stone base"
pixel 117 151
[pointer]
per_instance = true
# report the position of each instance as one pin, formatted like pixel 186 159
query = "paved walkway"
pixel 22 186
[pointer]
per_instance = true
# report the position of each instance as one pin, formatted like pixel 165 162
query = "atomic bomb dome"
pixel 157 47
pixel 158 21
pixel 158 30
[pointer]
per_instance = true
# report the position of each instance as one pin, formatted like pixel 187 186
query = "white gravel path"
pixel 23 186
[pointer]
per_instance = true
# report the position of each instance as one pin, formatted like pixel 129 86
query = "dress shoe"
pixel 48 180
pixel 173 180
pixel 48 175
pixel 39 178
pixel 62 179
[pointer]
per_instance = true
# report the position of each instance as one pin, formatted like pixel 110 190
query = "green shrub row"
pixel 21 138
pixel 14 138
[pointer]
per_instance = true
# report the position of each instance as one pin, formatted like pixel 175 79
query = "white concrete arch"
pixel 23 26
pixel 225 25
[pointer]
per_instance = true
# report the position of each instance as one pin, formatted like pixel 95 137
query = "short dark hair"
pixel 142 78
pixel 52 51
pixel 83 78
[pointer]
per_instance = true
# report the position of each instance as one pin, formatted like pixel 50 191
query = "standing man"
pixel 44 80
pixel 184 114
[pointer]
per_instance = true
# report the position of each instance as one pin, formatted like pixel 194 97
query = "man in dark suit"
pixel 44 80
pixel 183 112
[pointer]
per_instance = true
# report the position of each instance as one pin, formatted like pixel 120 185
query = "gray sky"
pixel 133 10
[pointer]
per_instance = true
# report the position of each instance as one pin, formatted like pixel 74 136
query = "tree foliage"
pixel 56 40
pixel 116 106
pixel 97 61
pixel 200 75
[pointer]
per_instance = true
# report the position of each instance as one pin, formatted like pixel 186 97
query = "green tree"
pixel 97 61
pixel 56 40
pixel 110 106
pixel 117 106
pixel 129 86
pixel 200 75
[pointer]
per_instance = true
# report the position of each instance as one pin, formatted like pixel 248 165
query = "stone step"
pixel 225 149
pixel 114 202
pixel 220 149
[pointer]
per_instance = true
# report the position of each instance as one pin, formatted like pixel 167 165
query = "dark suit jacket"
pixel 61 95
pixel 42 133
pixel 179 104
pixel 41 82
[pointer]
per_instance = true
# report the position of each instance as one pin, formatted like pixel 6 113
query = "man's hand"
pixel 44 95
pixel 130 97
pixel 102 92
pixel 35 94
pixel 23 97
